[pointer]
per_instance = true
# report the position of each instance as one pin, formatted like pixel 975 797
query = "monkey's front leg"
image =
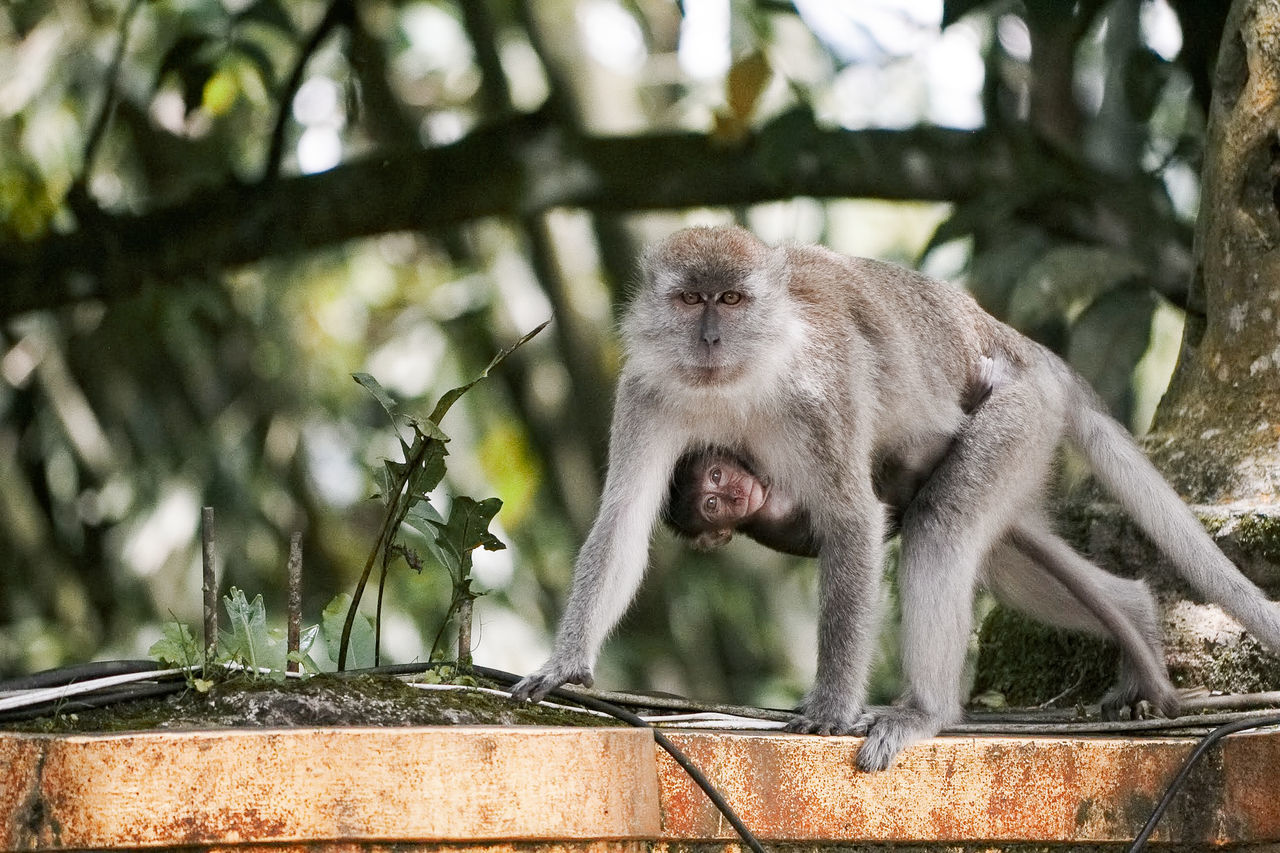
pixel 642 452
pixel 848 621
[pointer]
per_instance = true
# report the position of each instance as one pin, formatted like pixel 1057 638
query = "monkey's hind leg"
pixel 1038 573
pixel 993 471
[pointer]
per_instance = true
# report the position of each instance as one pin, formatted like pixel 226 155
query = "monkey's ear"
pixel 711 539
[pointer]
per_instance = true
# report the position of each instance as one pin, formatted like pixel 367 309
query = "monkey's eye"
pixel 731 297
pixel 715 475
pixel 688 297
pixel 711 506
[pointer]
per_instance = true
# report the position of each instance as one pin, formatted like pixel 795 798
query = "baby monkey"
pixel 715 492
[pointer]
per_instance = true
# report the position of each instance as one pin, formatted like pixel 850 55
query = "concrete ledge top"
pixel 480 785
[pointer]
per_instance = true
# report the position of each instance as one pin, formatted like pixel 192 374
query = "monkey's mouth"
pixel 711 373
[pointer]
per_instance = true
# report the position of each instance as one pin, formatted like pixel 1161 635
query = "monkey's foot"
pixel 814 721
pixel 892 731
pixel 1129 700
pixel 535 687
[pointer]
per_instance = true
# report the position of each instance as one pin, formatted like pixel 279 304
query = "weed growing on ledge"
pixel 404 489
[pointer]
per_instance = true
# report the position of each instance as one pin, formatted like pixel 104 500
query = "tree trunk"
pixel 1216 435
pixel 1217 431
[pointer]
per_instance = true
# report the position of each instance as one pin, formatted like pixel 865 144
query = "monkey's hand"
pixel 535 687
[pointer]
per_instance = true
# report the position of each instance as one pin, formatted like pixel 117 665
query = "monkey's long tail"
pixel 1130 477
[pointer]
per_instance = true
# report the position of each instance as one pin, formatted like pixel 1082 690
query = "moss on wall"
pixel 1029 663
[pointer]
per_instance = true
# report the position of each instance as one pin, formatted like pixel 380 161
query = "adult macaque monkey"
pixel 819 368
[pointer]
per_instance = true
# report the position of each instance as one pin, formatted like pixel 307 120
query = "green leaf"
pixel 995 271
pixel 269 13
pixel 468 528
pixel 176 647
pixel 257 57
pixel 379 393
pixel 450 397
pixel 982 214
pixel 395 471
pixel 1065 280
pixel 307 638
pixel 193 57
pixel 305 662
pixel 430 471
pixel 1109 339
pixel 248 642
pixel 423 519
pixel 360 652
pixel 185 49
pixel 1146 74
pixel 385 481
pixel 428 429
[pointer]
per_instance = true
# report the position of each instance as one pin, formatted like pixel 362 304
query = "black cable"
pixel 1209 740
pixel 674 751
pixel 97 699
pixel 78 672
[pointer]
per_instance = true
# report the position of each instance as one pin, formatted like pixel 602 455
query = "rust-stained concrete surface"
pixel 447 783
pixel 611 791
pixel 955 789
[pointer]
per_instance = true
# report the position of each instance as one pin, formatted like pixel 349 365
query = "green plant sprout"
pixel 404 488
pixel 178 648
pixel 249 645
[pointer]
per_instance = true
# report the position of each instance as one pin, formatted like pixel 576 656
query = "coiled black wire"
pixel 77 672
pixel 99 698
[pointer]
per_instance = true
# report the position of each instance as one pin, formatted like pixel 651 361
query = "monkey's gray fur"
pixel 821 367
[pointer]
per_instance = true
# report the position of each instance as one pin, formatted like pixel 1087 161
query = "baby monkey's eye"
pixel 731 297
pixel 711 506
pixel 688 297
pixel 715 475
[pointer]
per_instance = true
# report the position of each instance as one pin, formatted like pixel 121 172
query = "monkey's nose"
pixel 710 327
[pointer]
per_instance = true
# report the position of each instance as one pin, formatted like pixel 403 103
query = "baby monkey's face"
pixel 728 494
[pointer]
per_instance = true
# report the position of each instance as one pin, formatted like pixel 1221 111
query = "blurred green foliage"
pixel 121 416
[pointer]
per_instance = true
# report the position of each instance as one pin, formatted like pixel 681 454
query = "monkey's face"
pixel 707 313
pixel 728 494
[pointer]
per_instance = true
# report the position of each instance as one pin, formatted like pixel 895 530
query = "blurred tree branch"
pixel 341 13
pixel 513 168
